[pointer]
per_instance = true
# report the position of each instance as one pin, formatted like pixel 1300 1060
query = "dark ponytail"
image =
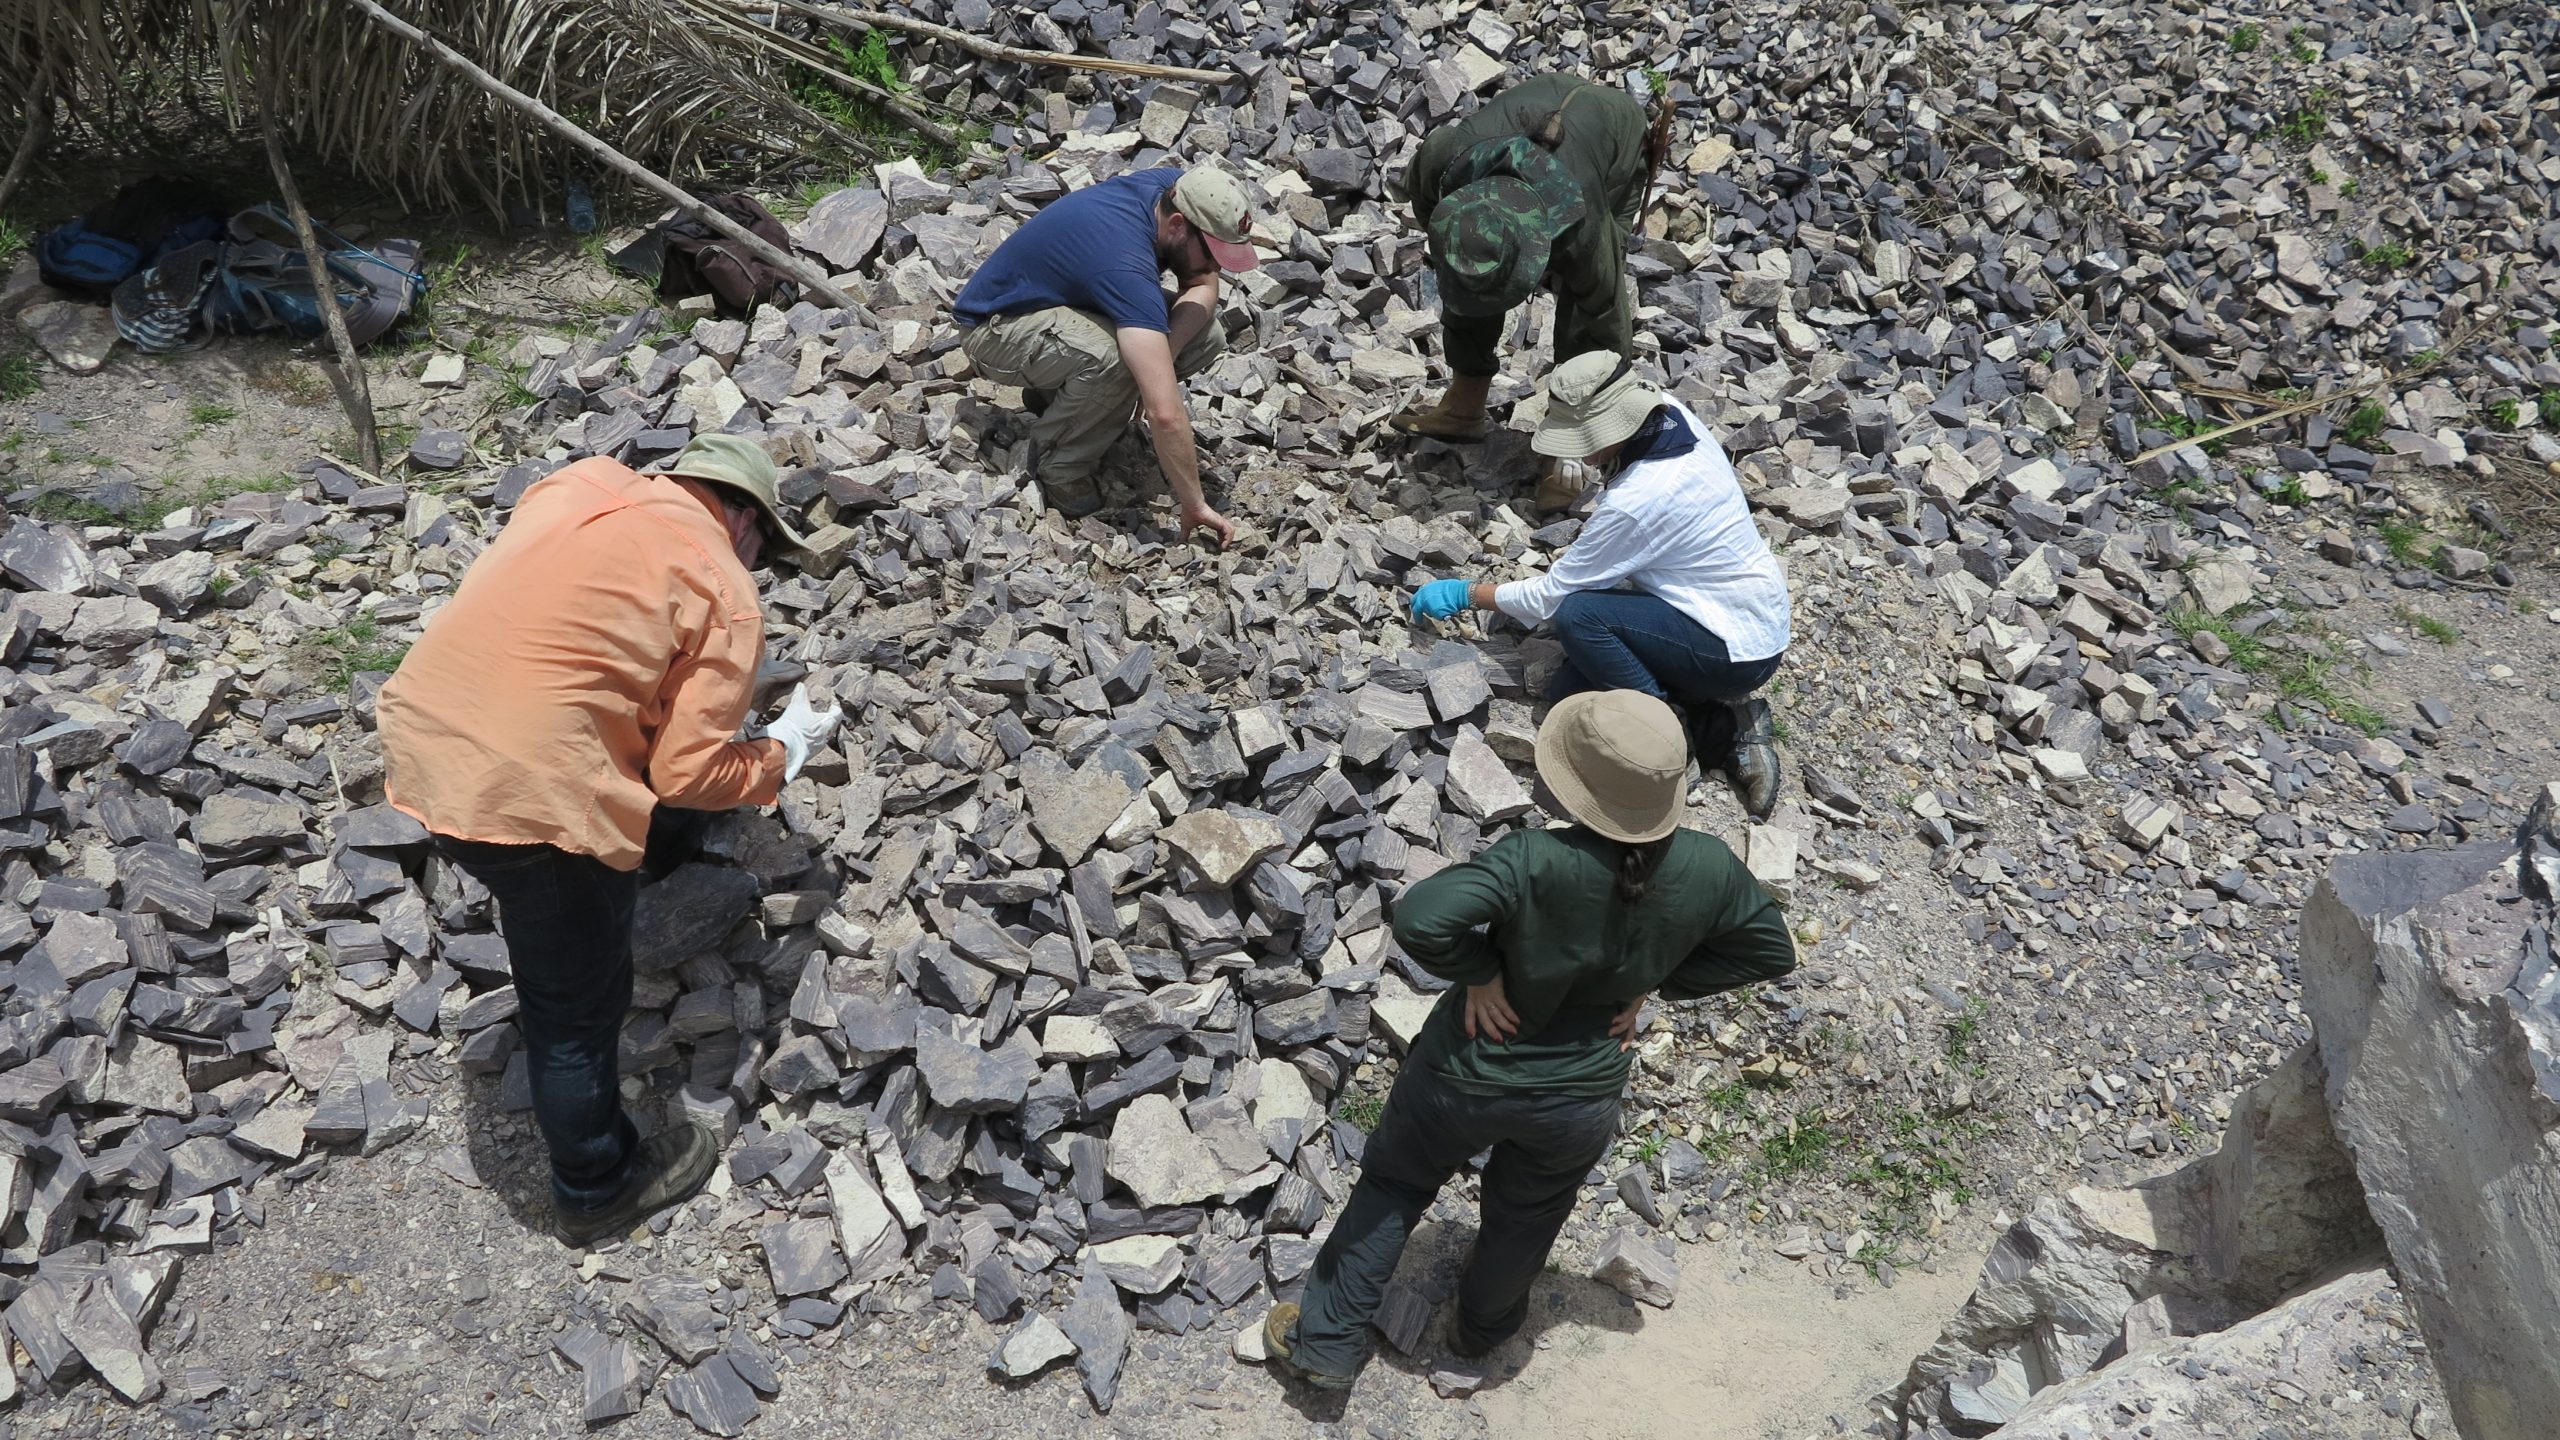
pixel 1636 864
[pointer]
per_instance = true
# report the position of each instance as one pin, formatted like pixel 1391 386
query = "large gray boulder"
pixel 2431 990
pixel 2086 1279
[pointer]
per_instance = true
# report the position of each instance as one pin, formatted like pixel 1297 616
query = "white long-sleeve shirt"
pixel 1679 528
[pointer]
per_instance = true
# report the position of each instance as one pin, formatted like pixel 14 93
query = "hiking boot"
pixel 1560 484
pixel 1076 498
pixel 1462 1341
pixel 1431 422
pixel 1280 1337
pixel 673 1164
pixel 1754 767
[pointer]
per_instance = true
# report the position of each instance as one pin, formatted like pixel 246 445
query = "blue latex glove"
pixel 1440 599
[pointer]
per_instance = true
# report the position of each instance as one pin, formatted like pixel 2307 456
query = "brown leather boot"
pixel 1458 418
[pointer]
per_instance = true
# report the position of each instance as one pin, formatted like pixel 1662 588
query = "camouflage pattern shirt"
pixel 1602 147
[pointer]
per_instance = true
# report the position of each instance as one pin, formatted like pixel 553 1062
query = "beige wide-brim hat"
pixel 1594 400
pixel 1618 761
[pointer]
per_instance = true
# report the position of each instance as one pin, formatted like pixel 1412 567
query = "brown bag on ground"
pixel 702 261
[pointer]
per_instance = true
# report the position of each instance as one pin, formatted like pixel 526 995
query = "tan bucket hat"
pixel 1594 400
pixel 742 465
pixel 1617 761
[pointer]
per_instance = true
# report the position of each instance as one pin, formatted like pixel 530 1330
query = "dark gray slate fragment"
pixel 1101 1330
pixel 687 913
pixel 714 1396
pixel 964 1078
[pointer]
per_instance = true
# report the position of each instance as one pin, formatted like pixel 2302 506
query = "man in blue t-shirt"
pixel 1071 305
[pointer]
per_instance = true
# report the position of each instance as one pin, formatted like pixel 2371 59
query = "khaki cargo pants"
pixel 1075 355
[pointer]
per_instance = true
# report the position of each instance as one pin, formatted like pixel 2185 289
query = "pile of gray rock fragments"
pixel 1037 991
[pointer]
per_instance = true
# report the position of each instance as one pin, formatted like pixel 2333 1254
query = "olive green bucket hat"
pixel 742 465
pixel 1491 238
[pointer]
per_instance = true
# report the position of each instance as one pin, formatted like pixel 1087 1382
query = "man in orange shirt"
pixel 559 727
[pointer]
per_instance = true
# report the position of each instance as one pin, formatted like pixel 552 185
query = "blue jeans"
pixel 1543 1146
pixel 567 922
pixel 1626 640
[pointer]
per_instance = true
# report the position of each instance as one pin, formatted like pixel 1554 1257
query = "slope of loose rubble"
pixel 1060 989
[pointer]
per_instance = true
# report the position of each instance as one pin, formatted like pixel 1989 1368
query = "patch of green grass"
pixel 2350 186
pixel 1780 730
pixel 2249 654
pixel 2389 255
pixel 2304 127
pixel 1964 1035
pixel 2406 540
pixel 2318 176
pixel 1797 1149
pixel 2431 627
pixel 2298 45
pixel 1921 1157
pixel 2290 492
pixel 208 412
pixel 871 61
pixel 2245 39
pixel 1362 1109
pixel 338 656
pixel 2364 425
pixel 2547 406
pixel 2507 413
pixel 2188 429
pixel 14 239
pixel 19 377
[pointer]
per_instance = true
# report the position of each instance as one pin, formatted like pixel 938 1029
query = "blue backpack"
pixel 265 280
pixel 92 254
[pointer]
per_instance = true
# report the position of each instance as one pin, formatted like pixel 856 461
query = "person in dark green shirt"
pixel 1540 187
pixel 1556 938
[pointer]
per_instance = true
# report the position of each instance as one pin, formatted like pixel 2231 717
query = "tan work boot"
pixel 1457 418
pixel 1561 484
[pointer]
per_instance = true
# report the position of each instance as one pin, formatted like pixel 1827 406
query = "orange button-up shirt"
pixel 596 662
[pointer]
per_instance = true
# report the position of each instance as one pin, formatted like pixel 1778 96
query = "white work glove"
pixel 801 727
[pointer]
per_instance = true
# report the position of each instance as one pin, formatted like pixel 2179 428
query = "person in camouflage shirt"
pixel 1540 187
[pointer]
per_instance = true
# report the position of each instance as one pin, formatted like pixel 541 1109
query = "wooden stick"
pixel 863 21
pixel 804 53
pixel 2317 402
pixel 812 279
pixel 28 142
pixel 347 377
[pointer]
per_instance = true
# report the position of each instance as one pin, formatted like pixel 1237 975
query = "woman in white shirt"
pixel 1669 589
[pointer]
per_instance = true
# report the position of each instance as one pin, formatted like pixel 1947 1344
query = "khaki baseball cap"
pixel 1215 204
pixel 1617 761
pixel 742 465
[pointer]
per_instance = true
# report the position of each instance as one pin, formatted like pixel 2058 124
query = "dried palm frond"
pixel 679 96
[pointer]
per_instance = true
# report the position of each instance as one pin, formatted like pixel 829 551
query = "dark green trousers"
pixel 1543 1146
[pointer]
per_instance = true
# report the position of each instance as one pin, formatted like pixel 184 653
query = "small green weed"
pixel 2350 186
pixel 2547 407
pixel 2303 128
pixel 1362 1109
pixel 208 412
pixel 2389 255
pixel 2290 492
pixel 2318 176
pixel 2364 425
pixel 2188 429
pixel 1964 1035
pixel 2298 45
pixel 1799 1148
pixel 2245 39
pixel 2406 540
pixel 2249 654
pixel 2507 413
pixel 338 656
pixel 2431 627
pixel 1780 730
pixel 14 238
pixel 18 377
